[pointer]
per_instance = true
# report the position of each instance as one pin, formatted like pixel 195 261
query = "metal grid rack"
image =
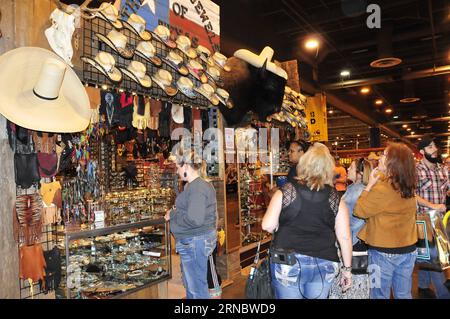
pixel 91 46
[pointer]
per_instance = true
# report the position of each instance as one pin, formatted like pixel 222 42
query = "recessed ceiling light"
pixel 330 111
pixel 395 117
pixel 408 129
pixel 412 133
pixel 312 44
pixel 388 110
pixel 419 138
pixel 345 73
pixel 379 102
pixel 358 135
pixel 405 125
pixel 365 90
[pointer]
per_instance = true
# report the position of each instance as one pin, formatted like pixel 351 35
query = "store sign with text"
pixel 197 19
pixel 316 114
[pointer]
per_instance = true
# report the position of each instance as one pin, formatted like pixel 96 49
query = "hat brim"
pixel 212 62
pixel 154 59
pixel 124 53
pixel 169 43
pixel 183 70
pixel 116 24
pixel 145 82
pixel 213 99
pixel 145 35
pixel 115 76
pixel 190 93
pixel 190 53
pixel 169 90
pixel 201 76
pixel 69 113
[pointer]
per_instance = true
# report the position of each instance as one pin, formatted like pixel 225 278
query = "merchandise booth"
pixel 109 92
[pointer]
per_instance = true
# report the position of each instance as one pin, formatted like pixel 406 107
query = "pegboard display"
pixel 92 45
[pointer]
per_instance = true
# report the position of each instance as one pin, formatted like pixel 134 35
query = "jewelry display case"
pixel 113 260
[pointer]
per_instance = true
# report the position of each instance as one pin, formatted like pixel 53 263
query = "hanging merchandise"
pixel 106 12
pixel 110 107
pixel 118 42
pixel 59 35
pixel 56 99
pixel 147 51
pixel 32 263
pixel 105 63
pixel 141 112
pixel 155 109
pixel 26 167
pixel 28 219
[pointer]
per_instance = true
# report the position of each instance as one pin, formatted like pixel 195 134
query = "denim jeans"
pixel 395 272
pixel 194 253
pixel 309 278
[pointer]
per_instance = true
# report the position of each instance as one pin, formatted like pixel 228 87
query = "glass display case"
pixel 114 259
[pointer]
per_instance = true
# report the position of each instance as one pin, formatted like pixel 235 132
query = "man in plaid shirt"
pixel 432 187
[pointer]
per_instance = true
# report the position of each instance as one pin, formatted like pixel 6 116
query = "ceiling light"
pixel 412 133
pixel 408 129
pixel 388 110
pixel 345 73
pixel 379 102
pixel 365 90
pixel 330 111
pixel 405 125
pixel 395 116
pixel 312 44
pixel 358 135
pixel 419 138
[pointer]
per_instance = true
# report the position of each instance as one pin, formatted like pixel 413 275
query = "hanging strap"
pixel 30 281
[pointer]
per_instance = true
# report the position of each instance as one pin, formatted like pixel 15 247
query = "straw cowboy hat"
pixel 219 60
pixel 224 98
pixel 162 34
pixel 136 71
pixel 147 51
pixel 118 42
pixel 107 12
pixel 41 92
pixel 175 61
pixel 208 92
pixel 196 70
pixel 203 53
pixel 104 62
pixel 186 86
pixel 163 79
pixel 184 44
pixel 177 113
pixel 258 60
pixel 136 24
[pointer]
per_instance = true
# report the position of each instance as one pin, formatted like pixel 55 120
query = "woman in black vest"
pixel 307 218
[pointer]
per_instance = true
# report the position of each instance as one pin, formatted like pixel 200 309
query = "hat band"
pixel 44 97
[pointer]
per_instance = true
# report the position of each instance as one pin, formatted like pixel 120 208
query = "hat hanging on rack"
pixel 162 34
pixel 163 79
pixel 175 61
pixel 184 45
pixel 41 92
pixel 136 71
pixel 224 98
pixel 203 52
pixel 105 63
pixel 147 51
pixel 218 59
pixel 196 70
pixel 107 12
pixel 208 91
pixel 214 74
pixel 186 86
pixel 118 42
pixel 136 24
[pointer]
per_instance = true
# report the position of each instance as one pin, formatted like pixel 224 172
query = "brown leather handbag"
pixel 32 262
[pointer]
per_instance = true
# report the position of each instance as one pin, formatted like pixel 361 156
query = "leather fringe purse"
pixel 28 219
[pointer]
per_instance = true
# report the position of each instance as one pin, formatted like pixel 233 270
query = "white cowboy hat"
pixel 175 61
pixel 109 13
pixel 162 34
pixel 184 44
pixel 224 98
pixel 147 51
pixel 203 52
pixel 186 86
pixel 136 24
pixel 41 92
pixel 104 62
pixel 213 73
pixel 163 79
pixel 208 92
pixel 258 60
pixel 220 60
pixel 177 113
pixel 136 71
pixel 118 42
pixel 196 70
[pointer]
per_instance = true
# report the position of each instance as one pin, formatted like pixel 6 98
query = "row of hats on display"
pixel 209 75
pixel 293 109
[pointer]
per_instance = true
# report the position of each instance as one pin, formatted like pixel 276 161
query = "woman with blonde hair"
pixel 306 218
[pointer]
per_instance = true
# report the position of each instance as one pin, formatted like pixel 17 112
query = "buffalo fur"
pixel 251 89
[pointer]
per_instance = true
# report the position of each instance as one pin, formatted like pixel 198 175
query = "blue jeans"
pixel 393 271
pixel 309 278
pixel 194 253
pixel 437 278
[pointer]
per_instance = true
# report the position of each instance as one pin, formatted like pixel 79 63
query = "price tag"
pixel 99 216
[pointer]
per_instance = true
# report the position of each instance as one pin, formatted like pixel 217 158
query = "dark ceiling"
pixel 419 37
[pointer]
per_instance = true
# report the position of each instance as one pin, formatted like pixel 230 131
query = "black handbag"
pixel 26 170
pixel 360 258
pixel 259 282
pixel 52 269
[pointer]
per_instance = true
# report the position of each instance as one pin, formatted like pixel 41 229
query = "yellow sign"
pixel 316 114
